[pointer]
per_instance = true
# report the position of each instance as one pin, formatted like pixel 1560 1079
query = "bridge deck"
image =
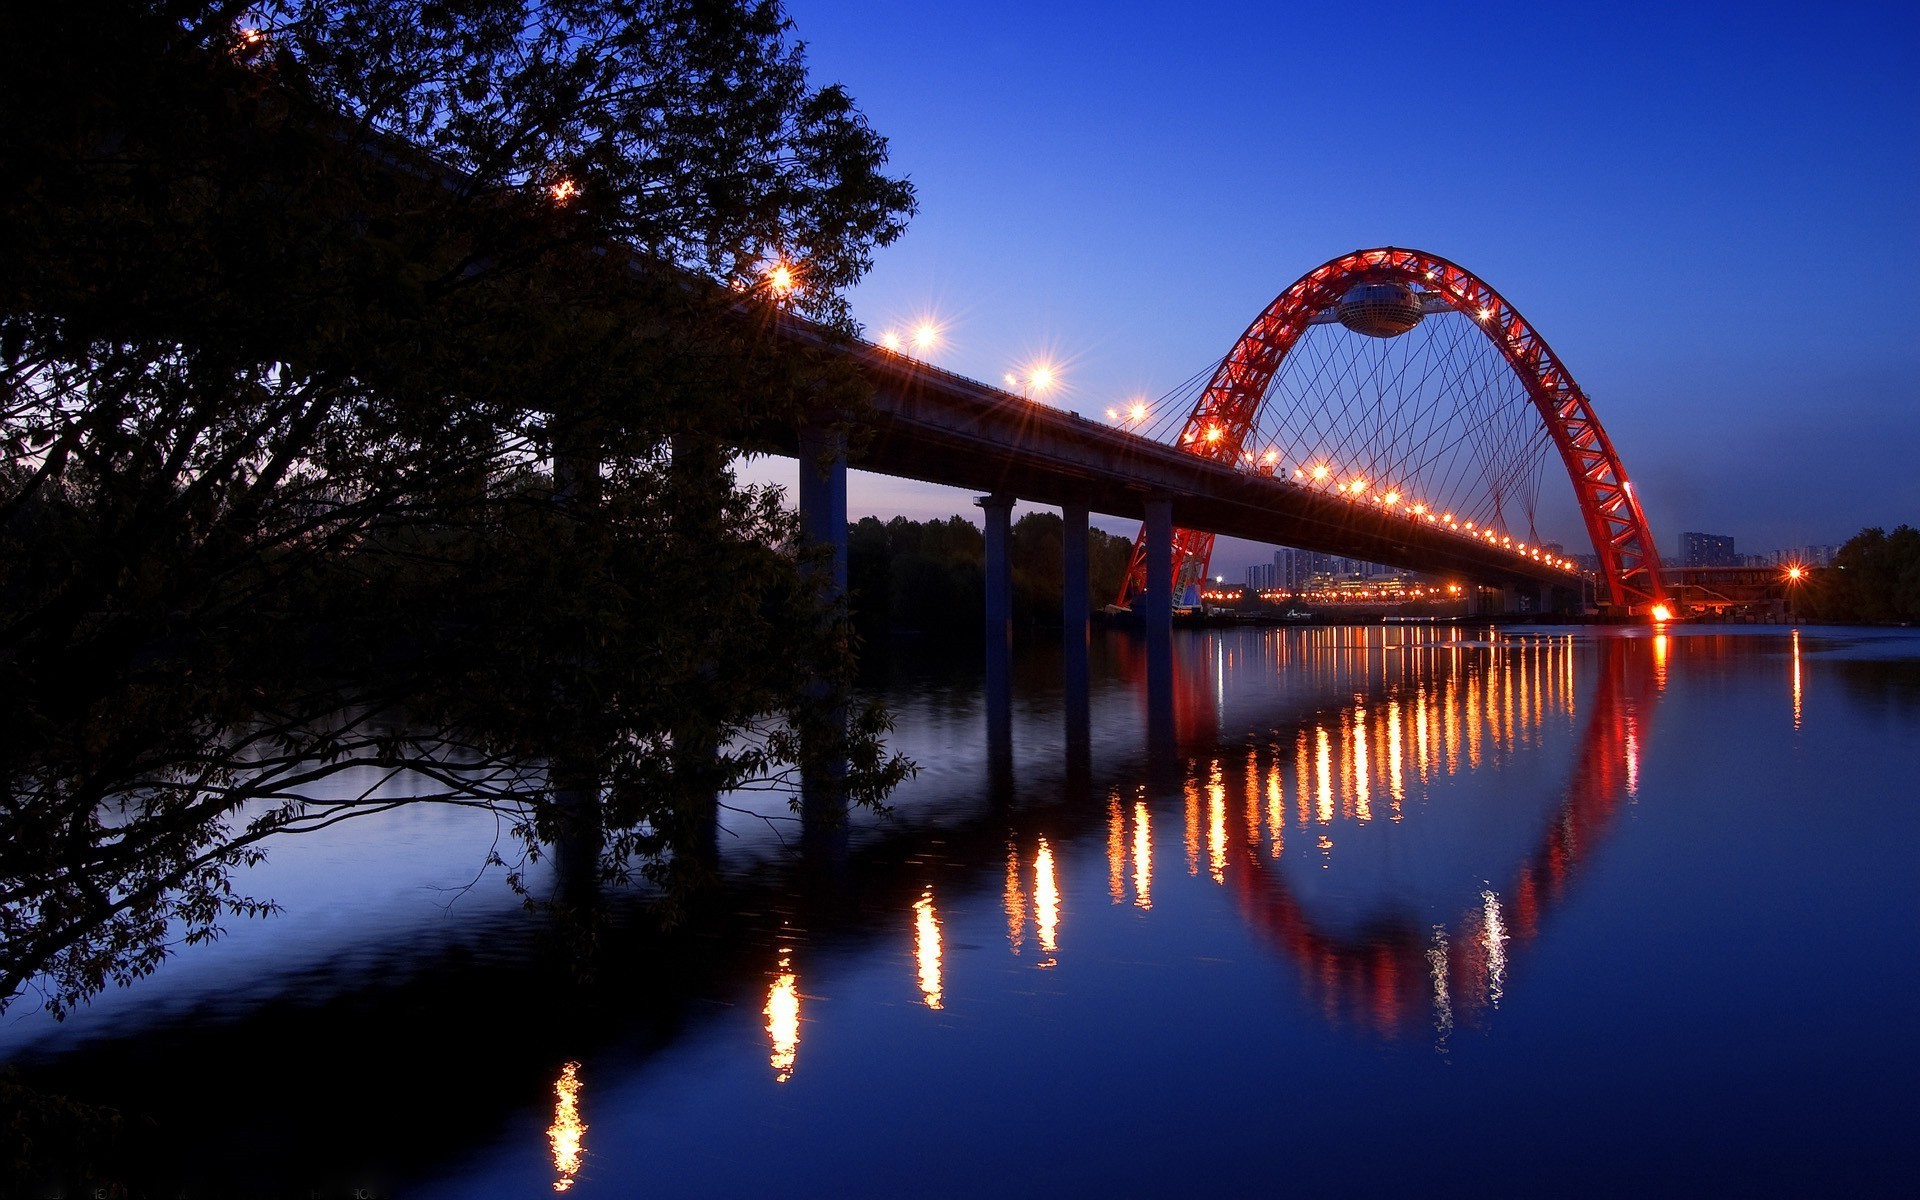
pixel 937 427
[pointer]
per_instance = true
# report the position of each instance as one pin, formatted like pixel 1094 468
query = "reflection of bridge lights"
pixel 566 1135
pixel 1016 902
pixel 1796 679
pixel 782 1012
pixel 1046 902
pixel 1437 971
pixel 1324 774
pixel 1217 829
pixel 926 947
pixel 1362 794
pixel 1142 857
pixel 1494 939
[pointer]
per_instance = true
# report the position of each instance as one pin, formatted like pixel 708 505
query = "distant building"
pixel 1707 550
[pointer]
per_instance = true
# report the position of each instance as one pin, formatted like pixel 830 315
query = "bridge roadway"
pixel 938 427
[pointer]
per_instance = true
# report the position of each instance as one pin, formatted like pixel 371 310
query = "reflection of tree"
pixel 317 458
pixel 1388 972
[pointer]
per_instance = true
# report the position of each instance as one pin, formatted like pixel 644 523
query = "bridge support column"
pixel 1073 580
pixel 1159 598
pixel 823 520
pixel 998 510
pixel 1159 595
pixel 1073 641
pixel 823 496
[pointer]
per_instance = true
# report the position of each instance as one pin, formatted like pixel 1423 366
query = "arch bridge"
pixel 1330 425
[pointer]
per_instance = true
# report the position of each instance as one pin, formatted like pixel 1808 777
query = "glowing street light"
pixel 926 335
pixel 1038 379
pixel 782 278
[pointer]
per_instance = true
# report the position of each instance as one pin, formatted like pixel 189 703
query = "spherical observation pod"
pixel 1381 310
pixel 1386 286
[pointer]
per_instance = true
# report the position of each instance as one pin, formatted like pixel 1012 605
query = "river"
pixel 1345 911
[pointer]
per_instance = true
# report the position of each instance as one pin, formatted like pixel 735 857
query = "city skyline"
pixel 1682 204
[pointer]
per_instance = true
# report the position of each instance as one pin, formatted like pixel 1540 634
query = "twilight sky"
pixel 1712 213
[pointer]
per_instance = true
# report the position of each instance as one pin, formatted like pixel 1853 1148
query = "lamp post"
pixel 1038 380
pixel 1796 575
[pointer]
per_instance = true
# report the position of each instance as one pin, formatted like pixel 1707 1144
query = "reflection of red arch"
pixel 1382 972
pixel 1629 560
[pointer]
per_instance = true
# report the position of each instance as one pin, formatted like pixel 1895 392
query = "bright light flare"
pixel 1042 377
pixel 1662 613
pixel 1138 412
pixel 891 341
pixel 926 335
pixel 782 278
pixel 1320 472
pixel 563 190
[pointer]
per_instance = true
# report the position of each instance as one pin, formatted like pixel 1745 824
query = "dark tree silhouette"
pixel 371 372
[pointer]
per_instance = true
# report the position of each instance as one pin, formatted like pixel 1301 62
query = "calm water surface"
pixel 1348 912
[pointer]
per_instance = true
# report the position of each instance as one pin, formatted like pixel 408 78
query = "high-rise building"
pixel 1707 550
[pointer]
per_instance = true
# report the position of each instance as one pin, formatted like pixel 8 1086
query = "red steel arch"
pixel 1629 560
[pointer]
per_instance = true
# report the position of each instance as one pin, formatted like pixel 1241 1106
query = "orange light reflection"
pixel 567 1135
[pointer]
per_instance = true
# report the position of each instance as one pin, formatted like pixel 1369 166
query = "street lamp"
pixel 1796 574
pixel 925 336
pixel 1038 379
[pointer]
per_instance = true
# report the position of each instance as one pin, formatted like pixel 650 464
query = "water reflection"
pixel 1464 709
pixel 1046 903
pixel 1796 679
pixel 1286 790
pixel 1142 856
pixel 566 1136
pixel 926 947
pixel 783 1018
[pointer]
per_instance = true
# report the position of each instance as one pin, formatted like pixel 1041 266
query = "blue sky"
pixel 1711 212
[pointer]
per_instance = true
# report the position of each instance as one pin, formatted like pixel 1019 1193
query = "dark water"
pixel 1349 912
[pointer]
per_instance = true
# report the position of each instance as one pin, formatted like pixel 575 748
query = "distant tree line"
pixel 930 575
pixel 1874 579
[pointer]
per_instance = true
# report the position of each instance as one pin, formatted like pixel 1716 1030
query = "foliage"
pixel 318 455
pixel 1874 579
pixel 928 575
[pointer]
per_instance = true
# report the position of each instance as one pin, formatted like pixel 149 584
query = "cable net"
pixel 1432 420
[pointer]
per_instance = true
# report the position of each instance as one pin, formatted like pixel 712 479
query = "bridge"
pixel 1425 457
pixel 1366 435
